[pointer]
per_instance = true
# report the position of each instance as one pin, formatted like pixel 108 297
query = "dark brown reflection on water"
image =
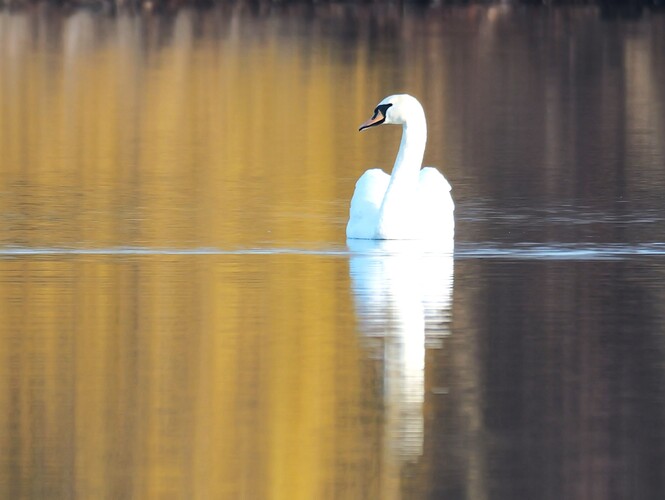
pixel 567 365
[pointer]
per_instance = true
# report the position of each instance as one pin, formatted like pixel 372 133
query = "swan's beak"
pixel 377 119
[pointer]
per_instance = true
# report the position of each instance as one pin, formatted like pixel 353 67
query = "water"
pixel 183 318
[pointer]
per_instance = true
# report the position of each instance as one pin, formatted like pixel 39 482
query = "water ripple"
pixel 560 251
pixel 463 251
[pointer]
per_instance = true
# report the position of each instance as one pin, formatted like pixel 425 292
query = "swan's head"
pixel 395 109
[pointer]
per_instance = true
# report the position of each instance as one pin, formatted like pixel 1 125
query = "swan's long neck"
pixel 403 186
pixel 411 151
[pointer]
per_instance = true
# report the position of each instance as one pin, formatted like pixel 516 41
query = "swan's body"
pixel 411 203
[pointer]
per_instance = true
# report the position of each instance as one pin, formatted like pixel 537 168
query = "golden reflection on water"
pixel 215 376
pixel 182 378
pixel 205 128
pixel 143 131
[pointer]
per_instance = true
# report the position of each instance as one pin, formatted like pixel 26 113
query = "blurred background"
pixel 181 315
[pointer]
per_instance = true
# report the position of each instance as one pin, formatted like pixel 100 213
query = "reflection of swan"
pixel 410 203
pixel 403 294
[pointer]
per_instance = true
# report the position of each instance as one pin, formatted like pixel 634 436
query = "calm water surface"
pixel 182 316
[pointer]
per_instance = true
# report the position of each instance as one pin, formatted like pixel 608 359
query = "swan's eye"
pixel 383 109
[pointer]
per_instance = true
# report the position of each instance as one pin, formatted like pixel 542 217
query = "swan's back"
pixel 429 213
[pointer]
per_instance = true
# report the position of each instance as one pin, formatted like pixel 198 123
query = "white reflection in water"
pixel 403 295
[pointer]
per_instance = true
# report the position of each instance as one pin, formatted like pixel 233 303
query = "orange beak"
pixel 377 119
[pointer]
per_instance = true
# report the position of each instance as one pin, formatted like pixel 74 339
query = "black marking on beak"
pixel 378 118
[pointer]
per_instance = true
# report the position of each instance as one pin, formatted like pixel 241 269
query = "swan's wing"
pixel 366 203
pixel 436 205
pixel 431 178
pixel 435 189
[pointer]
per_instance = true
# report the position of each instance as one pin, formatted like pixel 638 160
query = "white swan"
pixel 410 203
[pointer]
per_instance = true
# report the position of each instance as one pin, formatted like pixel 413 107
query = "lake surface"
pixel 181 315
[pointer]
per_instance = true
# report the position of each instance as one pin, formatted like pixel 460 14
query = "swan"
pixel 411 203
